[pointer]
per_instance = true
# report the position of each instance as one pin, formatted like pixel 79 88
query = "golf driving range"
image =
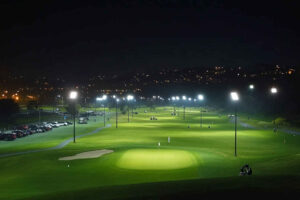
pixel 150 159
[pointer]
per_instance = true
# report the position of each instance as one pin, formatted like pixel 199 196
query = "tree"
pixel 8 109
pixel 32 105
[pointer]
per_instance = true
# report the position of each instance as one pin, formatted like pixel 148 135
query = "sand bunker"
pixel 88 154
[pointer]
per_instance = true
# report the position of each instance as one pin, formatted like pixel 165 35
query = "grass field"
pixel 197 161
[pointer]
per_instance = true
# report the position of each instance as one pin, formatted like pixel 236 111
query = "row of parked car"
pixel 26 130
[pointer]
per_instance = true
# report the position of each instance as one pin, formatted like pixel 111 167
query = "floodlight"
pixel 99 99
pixel 177 98
pixel 173 98
pixel 183 97
pixel 73 95
pixel 200 97
pixel 274 90
pixel 234 96
pixel 104 97
pixel 190 99
pixel 129 97
pixel 251 87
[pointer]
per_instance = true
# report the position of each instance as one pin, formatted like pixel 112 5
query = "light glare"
pixel 274 90
pixel 200 97
pixel 234 96
pixel 73 95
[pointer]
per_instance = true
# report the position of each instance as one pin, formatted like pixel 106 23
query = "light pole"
pixel 274 91
pixel 184 99
pixel 173 100
pixel 200 98
pixel 235 98
pixel 129 98
pixel 73 96
pixel 102 99
pixel 117 100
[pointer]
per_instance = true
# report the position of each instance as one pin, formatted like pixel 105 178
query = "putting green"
pixel 156 159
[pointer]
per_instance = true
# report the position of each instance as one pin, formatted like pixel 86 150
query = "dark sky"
pixel 97 36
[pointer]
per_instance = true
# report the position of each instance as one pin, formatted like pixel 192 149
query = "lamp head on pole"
pixel 273 90
pixel 200 97
pixel 234 96
pixel 129 97
pixel 73 95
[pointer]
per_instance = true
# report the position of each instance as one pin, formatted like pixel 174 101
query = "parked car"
pixel 2 136
pixel 82 120
pixel 64 123
pixel 18 133
pixel 10 136
pixel 28 132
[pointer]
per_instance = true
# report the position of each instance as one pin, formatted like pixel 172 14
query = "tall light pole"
pixel 274 91
pixel 73 96
pixel 183 99
pixel 200 98
pixel 173 100
pixel 102 99
pixel 117 100
pixel 129 98
pixel 235 99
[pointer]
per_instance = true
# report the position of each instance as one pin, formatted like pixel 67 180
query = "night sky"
pixel 102 36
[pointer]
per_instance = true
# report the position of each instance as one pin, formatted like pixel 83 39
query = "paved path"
pixel 60 146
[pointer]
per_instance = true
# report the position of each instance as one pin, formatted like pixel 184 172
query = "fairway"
pixel 156 159
pixel 203 154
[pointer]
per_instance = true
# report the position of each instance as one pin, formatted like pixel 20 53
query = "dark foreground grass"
pixel 255 187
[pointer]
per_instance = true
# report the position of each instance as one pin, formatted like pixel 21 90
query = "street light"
pixel 200 98
pixel 117 100
pixel 183 98
pixel 174 110
pixel 102 99
pixel 129 98
pixel 235 98
pixel 73 96
pixel 273 90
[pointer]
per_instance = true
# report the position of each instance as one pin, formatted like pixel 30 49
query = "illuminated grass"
pixel 156 159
